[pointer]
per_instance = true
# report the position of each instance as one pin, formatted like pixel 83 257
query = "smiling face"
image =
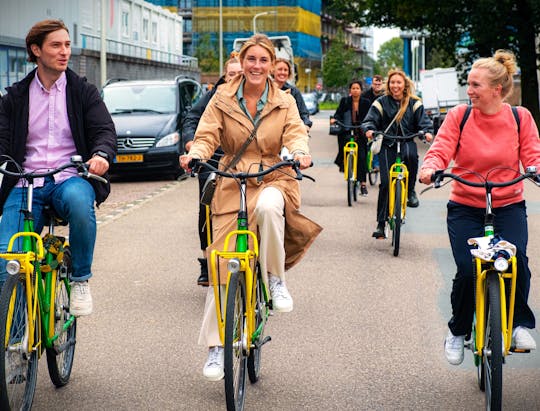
pixel 482 94
pixel 396 85
pixel 53 55
pixel 256 66
pixel 281 73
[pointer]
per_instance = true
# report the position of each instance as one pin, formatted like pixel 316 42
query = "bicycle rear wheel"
pixel 18 368
pixel 235 341
pixel 396 227
pixel 350 181
pixel 261 314
pixel 493 355
pixel 60 355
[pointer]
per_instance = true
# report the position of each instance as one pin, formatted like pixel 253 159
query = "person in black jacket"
pixel 282 73
pixel 400 109
pixel 351 111
pixel 49 116
pixel 376 90
pixel 232 68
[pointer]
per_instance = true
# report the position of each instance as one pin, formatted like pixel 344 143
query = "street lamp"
pixel 264 13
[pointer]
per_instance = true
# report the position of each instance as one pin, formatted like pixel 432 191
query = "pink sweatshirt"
pixel 487 141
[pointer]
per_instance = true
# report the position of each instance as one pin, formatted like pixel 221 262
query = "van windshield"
pixel 155 98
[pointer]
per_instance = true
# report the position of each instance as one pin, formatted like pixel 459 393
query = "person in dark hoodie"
pixel 49 116
pixel 232 68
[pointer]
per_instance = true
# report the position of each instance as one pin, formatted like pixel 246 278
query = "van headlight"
pixel 169 140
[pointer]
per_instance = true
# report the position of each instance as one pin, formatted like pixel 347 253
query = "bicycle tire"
pixel 18 371
pixel 234 355
pixel 480 371
pixel 350 180
pixel 396 227
pixel 60 356
pixel 261 314
pixel 493 355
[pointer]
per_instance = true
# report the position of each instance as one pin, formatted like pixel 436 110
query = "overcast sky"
pixel 382 35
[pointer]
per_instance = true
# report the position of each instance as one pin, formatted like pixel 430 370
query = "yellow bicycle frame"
pixel 350 149
pixel 26 260
pixel 247 260
pixel 395 172
pixel 506 321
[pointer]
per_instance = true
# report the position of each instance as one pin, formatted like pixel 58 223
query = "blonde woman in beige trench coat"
pixel 273 204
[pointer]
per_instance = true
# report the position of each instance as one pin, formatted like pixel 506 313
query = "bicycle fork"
pixel 398 175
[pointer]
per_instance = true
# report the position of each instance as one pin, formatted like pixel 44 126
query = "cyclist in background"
pixel 490 138
pixel 49 116
pixel 376 90
pixel 249 101
pixel 232 68
pixel 282 73
pixel 401 113
pixel 351 111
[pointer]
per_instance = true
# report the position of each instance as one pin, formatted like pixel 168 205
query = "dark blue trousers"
pixel 465 222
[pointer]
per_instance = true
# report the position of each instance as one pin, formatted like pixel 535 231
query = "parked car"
pixel 311 103
pixel 148 117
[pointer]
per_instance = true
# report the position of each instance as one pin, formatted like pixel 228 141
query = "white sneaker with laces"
pixel 281 299
pixel 80 299
pixel 213 368
pixel 454 348
pixel 523 340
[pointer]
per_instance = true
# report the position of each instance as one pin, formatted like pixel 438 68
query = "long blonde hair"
pixel 501 68
pixel 408 92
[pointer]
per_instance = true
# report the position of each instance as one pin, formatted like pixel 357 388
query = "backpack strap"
pixel 516 116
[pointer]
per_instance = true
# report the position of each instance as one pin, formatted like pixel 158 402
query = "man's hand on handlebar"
pixel 97 165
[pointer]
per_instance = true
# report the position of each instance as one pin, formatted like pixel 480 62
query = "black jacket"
pixel 90 122
pixel 300 103
pixel 344 111
pixel 414 119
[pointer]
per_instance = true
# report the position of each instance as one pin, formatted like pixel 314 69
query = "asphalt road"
pixel 366 332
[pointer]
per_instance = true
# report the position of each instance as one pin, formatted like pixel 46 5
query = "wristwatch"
pixel 102 154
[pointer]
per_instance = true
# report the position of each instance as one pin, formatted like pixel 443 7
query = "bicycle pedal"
pixel 519 351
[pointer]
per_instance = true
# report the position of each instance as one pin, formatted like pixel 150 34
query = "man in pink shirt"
pixel 46 118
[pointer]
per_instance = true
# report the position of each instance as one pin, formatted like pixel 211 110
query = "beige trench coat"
pixel 225 124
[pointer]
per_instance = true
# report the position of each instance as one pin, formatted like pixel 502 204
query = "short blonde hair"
pixel 258 39
pixel 501 68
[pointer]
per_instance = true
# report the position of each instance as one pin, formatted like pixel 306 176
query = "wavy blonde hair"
pixel 258 39
pixel 408 92
pixel 501 68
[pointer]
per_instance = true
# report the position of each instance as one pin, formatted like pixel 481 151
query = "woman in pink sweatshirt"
pixel 491 137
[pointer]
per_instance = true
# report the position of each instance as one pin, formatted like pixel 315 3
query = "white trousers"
pixel 271 226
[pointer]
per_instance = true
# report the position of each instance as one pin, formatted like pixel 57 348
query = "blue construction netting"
pixel 311 5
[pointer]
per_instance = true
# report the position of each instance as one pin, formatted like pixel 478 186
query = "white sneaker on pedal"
pixel 281 299
pixel 454 348
pixel 213 368
pixel 80 299
pixel 523 340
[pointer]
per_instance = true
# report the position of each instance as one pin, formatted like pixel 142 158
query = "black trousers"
pixel 465 222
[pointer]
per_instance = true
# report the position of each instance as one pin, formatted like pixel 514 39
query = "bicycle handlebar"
pixel 75 162
pixel 347 126
pixel 438 176
pixel 421 135
pixel 195 163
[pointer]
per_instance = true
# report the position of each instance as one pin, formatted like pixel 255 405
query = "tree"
pixel 390 55
pixel 339 63
pixel 207 54
pixel 464 28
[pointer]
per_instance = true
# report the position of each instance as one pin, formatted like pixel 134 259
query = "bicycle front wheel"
pixel 261 314
pixel 235 343
pixel 396 228
pixel 60 355
pixel 18 367
pixel 492 354
pixel 350 180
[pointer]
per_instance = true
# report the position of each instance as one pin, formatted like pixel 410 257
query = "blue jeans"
pixel 73 200
pixel 465 222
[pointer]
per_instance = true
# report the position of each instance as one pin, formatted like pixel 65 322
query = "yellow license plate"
pixel 129 158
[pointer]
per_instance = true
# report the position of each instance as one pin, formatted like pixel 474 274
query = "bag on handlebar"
pixel 378 139
pixel 335 129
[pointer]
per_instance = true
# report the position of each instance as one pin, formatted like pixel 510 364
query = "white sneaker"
pixel 80 299
pixel 454 347
pixel 213 368
pixel 523 340
pixel 281 299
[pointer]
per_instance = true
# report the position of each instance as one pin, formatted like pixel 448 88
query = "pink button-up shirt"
pixel 50 143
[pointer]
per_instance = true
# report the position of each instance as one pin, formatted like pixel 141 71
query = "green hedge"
pixel 328 105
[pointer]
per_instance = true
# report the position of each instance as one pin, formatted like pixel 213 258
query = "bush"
pixel 328 105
